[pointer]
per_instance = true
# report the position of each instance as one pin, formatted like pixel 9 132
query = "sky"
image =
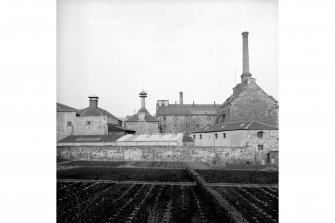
pixel 114 49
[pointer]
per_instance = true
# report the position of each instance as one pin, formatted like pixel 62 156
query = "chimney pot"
pixel 181 97
pixel 93 101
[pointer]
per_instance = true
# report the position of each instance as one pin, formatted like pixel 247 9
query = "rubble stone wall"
pixel 157 153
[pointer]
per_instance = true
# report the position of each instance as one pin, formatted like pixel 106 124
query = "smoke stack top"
pixel 181 97
pixel 246 73
pixel 93 101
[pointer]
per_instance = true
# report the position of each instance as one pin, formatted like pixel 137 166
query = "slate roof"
pixel 147 117
pixel 111 126
pixel 64 108
pixel 90 138
pixel 95 112
pixel 187 109
pixel 250 125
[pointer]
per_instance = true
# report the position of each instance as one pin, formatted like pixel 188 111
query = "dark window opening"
pixel 260 147
pixel 193 136
pixel 69 123
pixel 164 118
pixel 269 112
pixel 216 135
pixel 88 122
pixel 200 136
pixel 260 134
pixel 224 135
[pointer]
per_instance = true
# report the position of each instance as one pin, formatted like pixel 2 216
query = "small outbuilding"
pixel 259 137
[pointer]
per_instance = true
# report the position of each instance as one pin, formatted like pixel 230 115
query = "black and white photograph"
pixel 167 111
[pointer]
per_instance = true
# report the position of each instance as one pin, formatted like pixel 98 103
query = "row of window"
pixel 216 136
pixel 259 135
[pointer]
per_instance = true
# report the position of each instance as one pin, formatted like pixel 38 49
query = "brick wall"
pixel 143 127
pixel 156 153
pixel 190 123
pixel 251 105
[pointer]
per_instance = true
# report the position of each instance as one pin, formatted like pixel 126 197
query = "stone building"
pixel 184 118
pixel 248 101
pixel 255 136
pixel 94 120
pixel 65 119
pixel 143 122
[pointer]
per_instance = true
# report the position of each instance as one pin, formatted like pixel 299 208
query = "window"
pixel 200 136
pixel 193 136
pixel 270 112
pixel 88 122
pixel 260 134
pixel 224 135
pixel 216 135
pixel 164 118
pixel 260 147
pixel 69 123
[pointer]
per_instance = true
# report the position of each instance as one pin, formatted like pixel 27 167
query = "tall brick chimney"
pixel 246 74
pixel 143 95
pixel 93 100
pixel 181 97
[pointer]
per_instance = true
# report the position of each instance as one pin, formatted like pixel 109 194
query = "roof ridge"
pixel 266 124
pixel 249 125
pixel 85 110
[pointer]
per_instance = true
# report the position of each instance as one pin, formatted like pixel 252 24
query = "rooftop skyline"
pixel 115 49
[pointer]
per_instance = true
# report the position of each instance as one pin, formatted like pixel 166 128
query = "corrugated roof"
pixel 147 117
pixel 250 125
pixel 151 137
pixel 95 112
pixel 64 108
pixel 90 138
pixel 187 109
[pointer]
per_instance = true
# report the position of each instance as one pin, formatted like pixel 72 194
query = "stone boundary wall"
pixel 157 153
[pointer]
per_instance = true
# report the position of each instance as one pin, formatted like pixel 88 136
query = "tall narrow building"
pixel 248 101
pixel 143 122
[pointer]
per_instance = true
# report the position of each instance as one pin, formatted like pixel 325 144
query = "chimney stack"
pixel 246 74
pixel 143 95
pixel 93 101
pixel 181 97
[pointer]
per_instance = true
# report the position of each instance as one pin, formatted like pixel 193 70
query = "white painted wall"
pixel 233 138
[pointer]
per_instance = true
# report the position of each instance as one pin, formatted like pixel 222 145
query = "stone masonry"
pixel 190 123
pixel 157 153
pixel 251 104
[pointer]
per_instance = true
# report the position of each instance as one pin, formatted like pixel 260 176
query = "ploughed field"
pixel 125 174
pixel 97 191
pixel 110 202
pixel 256 204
